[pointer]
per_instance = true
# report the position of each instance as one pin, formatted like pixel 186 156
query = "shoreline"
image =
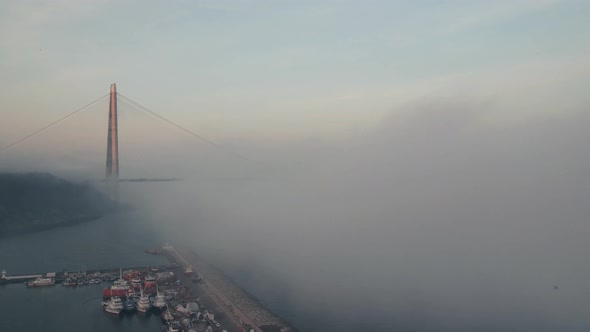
pixel 239 305
pixel 37 228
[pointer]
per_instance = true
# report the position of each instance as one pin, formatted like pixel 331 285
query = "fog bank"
pixel 439 219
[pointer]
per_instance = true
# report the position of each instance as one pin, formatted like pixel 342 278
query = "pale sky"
pixel 280 70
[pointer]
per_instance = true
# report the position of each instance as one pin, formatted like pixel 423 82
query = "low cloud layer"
pixel 439 219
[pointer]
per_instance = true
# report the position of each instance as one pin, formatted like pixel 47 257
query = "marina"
pixel 184 294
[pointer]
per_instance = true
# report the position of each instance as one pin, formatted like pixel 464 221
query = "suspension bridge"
pixel 112 173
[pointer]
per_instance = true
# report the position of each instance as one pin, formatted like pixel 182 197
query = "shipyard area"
pixel 188 294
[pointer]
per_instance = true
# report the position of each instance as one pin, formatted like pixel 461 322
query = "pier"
pixel 5 279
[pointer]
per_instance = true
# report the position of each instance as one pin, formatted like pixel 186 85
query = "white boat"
pixel 160 300
pixel 114 305
pixel 120 286
pixel 188 271
pixel 39 282
pixel 144 304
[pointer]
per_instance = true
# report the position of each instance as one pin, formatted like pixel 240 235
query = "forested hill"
pixel 39 201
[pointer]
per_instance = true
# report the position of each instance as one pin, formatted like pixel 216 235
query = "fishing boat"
pixel 114 305
pixel 120 286
pixel 160 300
pixel 143 304
pixel 129 305
pixel 41 282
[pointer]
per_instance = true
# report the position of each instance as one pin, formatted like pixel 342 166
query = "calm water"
pixel 109 242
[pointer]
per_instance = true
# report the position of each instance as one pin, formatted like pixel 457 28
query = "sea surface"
pixel 110 242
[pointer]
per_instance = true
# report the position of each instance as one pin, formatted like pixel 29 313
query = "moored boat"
pixel 120 287
pixel 143 304
pixel 69 283
pixel 114 305
pixel 129 305
pixel 41 282
pixel 160 300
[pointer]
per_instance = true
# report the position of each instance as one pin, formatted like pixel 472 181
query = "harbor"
pixel 186 294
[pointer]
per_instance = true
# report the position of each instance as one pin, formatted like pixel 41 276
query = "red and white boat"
pixel 120 287
pixel 188 271
pixel 136 281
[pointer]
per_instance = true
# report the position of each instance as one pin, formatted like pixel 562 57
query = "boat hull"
pixel 157 307
pixel 112 311
pixel 39 285
pixel 144 310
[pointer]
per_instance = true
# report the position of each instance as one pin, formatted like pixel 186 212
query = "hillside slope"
pixel 39 201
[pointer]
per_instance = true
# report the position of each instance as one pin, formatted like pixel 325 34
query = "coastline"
pixel 36 227
pixel 238 303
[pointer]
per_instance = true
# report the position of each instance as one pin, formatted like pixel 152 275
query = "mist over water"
pixel 442 217
pixel 404 165
pixel 438 219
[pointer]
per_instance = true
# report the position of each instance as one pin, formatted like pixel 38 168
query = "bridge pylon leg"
pixel 112 164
